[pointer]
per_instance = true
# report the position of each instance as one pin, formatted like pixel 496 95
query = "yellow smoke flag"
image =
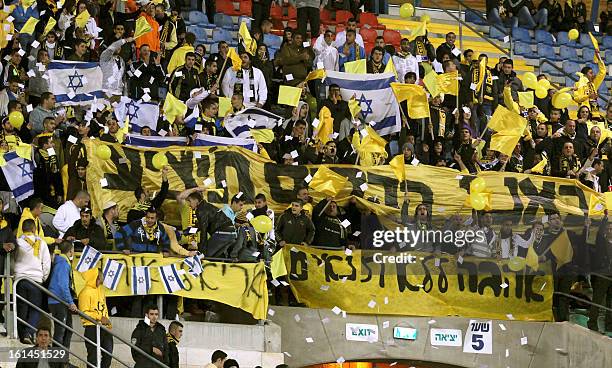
pixel 354 106
pixel 327 182
pixel 142 27
pixel 526 99
pixel 562 249
pixel 420 30
pixel 507 122
pixel 595 43
pixel 504 143
pixel 390 68
pixel 539 168
pixel 173 107
pixel 326 126
pixel 371 141
pixel 431 82
pixel 49 26
pixel 596 206
pixel 482 71
pixel 250 45
pixel 24 150
pixel 415 97
pixel 278 267
pixel 288 95
pixel 315 74
pixel 82 19
pixel 262 135
pixel 355 67
pixel 28 27
pixel 448 83
pixel 225 106
pixel 531 259
pixel 399 167
pixel 236 61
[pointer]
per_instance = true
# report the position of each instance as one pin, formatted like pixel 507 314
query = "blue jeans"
pixel 26 313
pixel 524 18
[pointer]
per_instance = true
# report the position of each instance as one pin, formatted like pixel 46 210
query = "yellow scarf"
pixel 34 244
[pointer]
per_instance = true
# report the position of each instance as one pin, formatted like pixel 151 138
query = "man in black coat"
pixel 43 342
pixel 7 245
pixel 86 232
pixel 142 199
pixel 175 332
pixel 330 231
pixel 294 226
pixel 150 336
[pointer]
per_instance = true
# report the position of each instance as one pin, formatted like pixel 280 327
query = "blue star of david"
pixel 141 280
pixel 78 77
pixel 25 169
pixel 132 110
pixel 368 103
pixel 88 259
pixel 111 273
pixel 171 278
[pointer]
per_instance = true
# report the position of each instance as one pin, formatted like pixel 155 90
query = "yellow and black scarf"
pixel 35 244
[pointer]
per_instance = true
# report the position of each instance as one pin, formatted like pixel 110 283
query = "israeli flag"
pixel 112 273
pixel 141 114
pixel 373 91
pixel 141 280
pixel 195 265
pixel 171 279
pixel 75 82
pixel 239 124
pixel 211 140
pixel 137 140
pixel 89 258
pixel 18 173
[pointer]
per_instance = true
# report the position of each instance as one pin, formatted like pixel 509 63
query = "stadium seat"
pixel 368 34
pixel 199 32
pixel 606 43
pixel 541 36
pixel 272 52
pixel 291 14
pixel 547 68
pixel 197 17
pixel 547 52
pixel 371 20
pixel 569 81
pixel 276 12
pixel 563 39
pixel 214 48
pixel 246 8
pixel 392 37
pixel 220 34
pixel 292 23
pixel 342 16
pixel 224 21
pixel 496 33
pixel 368 47
pixel 568 53
pixel 273 41
pixel 326 17
pixel 571 67
pixel 523 49
pixel 472 17
pixel 588 55
pixel 521 34
pixel 339 28
pixel 226 7
pixel 585 40
pixel 246 19
pixel 608 57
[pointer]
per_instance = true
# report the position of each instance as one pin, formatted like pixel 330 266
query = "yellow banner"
pixel 435 285
pixel 241 285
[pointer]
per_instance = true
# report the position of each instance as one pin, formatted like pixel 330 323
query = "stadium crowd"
pixel 169 61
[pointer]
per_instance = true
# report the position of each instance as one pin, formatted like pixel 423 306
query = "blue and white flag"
pixel 74 82
pixel 138 140
pixel 373 92
pixel 171 279
pixel 19 175
pixel 89 259
pixel 195 265
pixel 212 140
pixel 141 280
pixel 112 273
pixel 239 124
pixel 140 113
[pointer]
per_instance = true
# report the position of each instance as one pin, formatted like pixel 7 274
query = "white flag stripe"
pixel 141 280
pixel 238 124
pixel 171 279
pixel 112 273
pixel 89 258
pixel 19 175
pixel 75 83
pixel 195 265
pixel 140 113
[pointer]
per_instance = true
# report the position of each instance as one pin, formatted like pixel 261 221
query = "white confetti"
pixel 372 304
pixel 324 287
pixel 325 320
pixel 336 310
pixel 346 223
pixel 504 285
pixel 308 178
pixel 524 340
pixel 297 318
pixel 271 312
pixel 309 340
pixel 502 327
pixel 348 251
pixel 431 321
pixel 386 324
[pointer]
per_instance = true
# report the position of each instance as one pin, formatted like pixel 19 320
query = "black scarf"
pixel 239 88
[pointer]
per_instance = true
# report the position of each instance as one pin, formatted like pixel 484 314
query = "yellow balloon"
pixel 562 100
pixel 478 201
pixel 541 92
pixel 516 263
pixel 406 10
pixel 16 119
pixel 477 185
pixel 160 160
pixel 103 152
pixel 544 83
pixel 530 80
pixel 573 34
pixel 425 18
pixel 262 224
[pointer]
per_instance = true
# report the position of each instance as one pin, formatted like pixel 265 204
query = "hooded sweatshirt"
pixel 62 283
pixel 92 299
pixel 27 214
pixel 32 259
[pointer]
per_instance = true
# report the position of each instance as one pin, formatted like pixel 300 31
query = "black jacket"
pixel 151 76
pixel 329 230
pixel 294 229
pixel 173 354
pixel 205 214
pixel 601 254
pixel 30 363
pixel 134 214
pixel 94 233
pixel 146 338
pixel 6 236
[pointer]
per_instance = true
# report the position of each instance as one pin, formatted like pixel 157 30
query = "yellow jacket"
pixel 581 95
pixel 178 57
pixel 27 214
pixel 92 299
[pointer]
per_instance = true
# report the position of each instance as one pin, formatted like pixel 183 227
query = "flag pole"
pixel 222 69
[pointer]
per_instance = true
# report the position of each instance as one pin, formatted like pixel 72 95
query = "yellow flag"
pixel 325 127
pixel 431 82
pixel 236 61
pixel 355 67
pixel 121 133
pixel 562 249
pixel 327 182
pixel 504 143
pixel 595 43
pixel 82 19
pixel 173 107
pixel 605 133
pixel 539 168
pixel 507 122
pixel 420 30
pixel 399 167
pixel 482 71
pixel 278 267
pixel 250 45
pixel 27 3
pixel 315 74
pixel 596 206
pixel 532 259
pixel 371 141
pixel 448 83
pixel 262 135
pixel 49 26
pixel 2 161
pixel 142 27
pixel 416 98
pixel 28 27
pixel 526 99
pixel 354 107
pixel 288 95
pixel 390 68
pixel 225 106
pixel 608 199
pixel 24 150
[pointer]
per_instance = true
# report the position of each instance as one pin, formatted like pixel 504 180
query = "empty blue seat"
pixel 272 40
pixel 496 33
pixel 563 39
pixel 608 57
pixel 199 32
pixel 588 55
pixel 224 21
pixel 571 67
pixel 569 81
pixel 585 40
pixel 541 36
pixel 220 34
pixel 214 48
pixel 197 17
pixel 548 69
pixel 521 34
pixel 607 43
pixel 472 16
pixel 603 89
pixel 523 49
pixel 547 52
pixel 568 53
pixel 272 52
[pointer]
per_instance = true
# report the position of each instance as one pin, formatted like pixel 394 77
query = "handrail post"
pixel 7 292
pixel 15 334
pixel 98 347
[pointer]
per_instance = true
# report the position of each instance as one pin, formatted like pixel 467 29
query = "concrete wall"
pixel 548 344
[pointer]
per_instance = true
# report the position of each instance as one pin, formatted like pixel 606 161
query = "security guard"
pixel 150 336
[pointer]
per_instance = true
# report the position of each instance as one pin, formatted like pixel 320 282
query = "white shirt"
pixel 261 90
pixel 66 215
pixel 326 54
pixel 341 39
pixel 26 264
pixel 517 241
pixel 404 65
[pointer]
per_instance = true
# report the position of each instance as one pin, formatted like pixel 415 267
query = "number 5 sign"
pixel 479 338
